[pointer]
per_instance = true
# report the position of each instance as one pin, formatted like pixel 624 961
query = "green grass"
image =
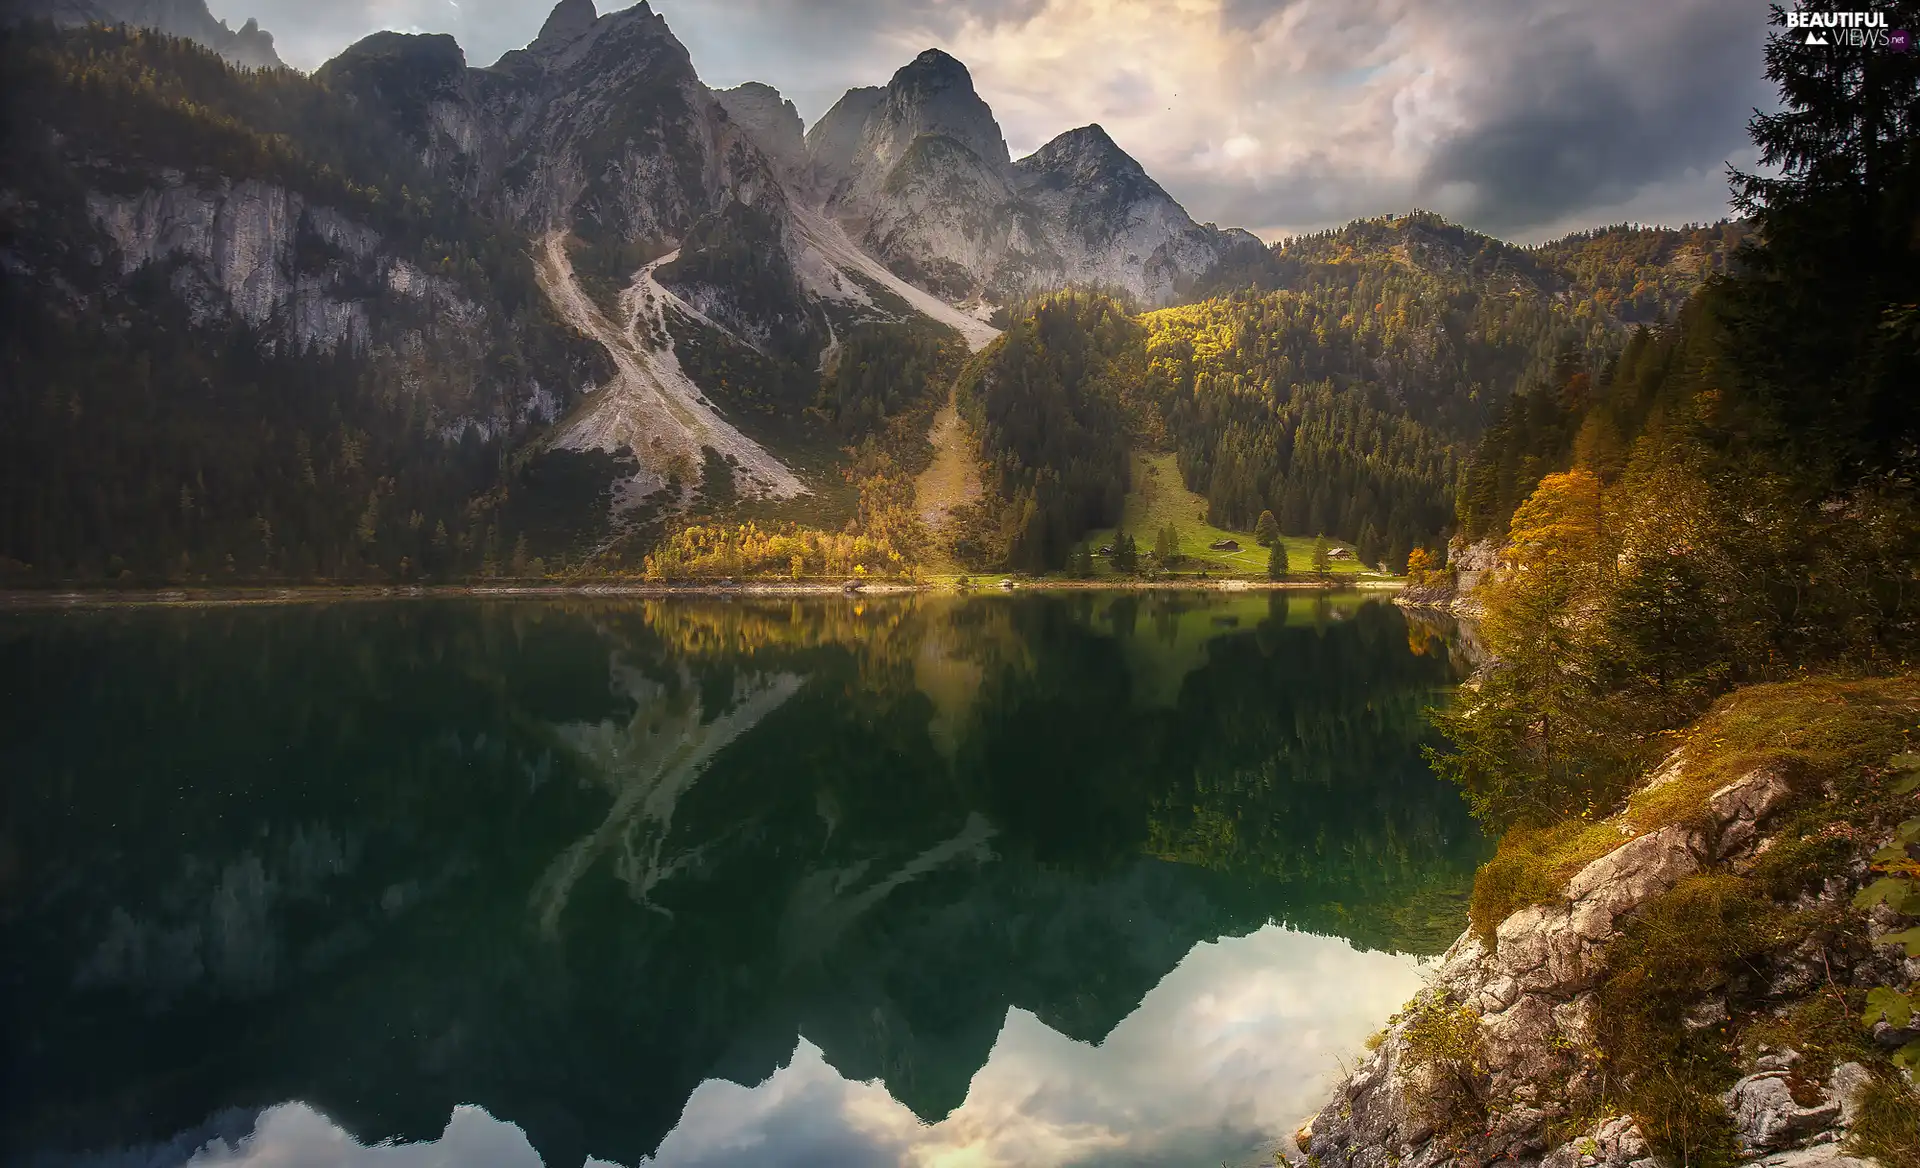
pixel 1159 497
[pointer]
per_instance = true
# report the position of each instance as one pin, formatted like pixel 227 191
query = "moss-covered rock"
pixel 1683 980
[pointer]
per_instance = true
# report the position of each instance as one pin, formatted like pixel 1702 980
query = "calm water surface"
pixel 1015 880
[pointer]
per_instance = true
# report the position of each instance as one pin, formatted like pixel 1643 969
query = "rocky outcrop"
pixel 1528 1010
pixel 1468 564
pixel 305 279
pixel 250 46
pixel 834 140
pixel 599 126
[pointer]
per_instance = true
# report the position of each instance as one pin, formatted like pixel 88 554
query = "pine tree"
pixel 1266 529
pixel 1322 555
pixel 1277 561
pixel 1080 561
pixel 1166 545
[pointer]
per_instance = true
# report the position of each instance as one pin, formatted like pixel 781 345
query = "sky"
pixel 1522 118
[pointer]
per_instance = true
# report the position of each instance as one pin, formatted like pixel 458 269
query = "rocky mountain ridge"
pixel 919 172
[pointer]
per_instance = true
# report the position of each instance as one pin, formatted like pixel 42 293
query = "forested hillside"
pixel 1707 554
pixel 157 434
pixel 1048 401
pixel 1344 399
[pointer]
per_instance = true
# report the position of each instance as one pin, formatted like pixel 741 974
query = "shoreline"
pixel 201 596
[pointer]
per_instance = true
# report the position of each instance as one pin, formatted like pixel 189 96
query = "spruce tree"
pixel 1277 561
pixel 1166 545
pixel 1266 530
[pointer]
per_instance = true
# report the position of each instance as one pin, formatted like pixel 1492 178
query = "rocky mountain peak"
pixel 769 119
pixel 568 20
pixel 934 69
pixel 934 94
pixel 1085 154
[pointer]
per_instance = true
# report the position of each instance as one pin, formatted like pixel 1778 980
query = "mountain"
pixel 927 183
pixel 250 47
pixel 248 335
pixel 607 279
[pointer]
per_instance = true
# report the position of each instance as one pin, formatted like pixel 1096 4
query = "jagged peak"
pixel 568 20
pixel 934 94
pixel 1088 146
pixel 931 72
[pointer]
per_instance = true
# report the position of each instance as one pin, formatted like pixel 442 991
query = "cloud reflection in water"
pixel 1230 1051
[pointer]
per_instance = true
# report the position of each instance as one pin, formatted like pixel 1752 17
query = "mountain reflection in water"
pixel 1025 880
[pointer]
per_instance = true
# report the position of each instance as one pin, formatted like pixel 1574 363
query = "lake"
pixel 1036 880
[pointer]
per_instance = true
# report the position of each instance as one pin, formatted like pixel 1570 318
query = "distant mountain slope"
pixel 1342 396
pixel 250 46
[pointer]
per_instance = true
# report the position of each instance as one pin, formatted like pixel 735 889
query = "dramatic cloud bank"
pixel 1521 118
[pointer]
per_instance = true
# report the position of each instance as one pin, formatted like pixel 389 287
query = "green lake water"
pixel 1033 880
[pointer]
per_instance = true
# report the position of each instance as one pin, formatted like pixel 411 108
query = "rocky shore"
pixel 1502 1058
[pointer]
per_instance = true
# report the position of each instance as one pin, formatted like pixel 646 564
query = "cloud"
pixel 1517 116
pixel 1233 1047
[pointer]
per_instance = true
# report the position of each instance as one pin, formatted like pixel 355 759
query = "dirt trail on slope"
pixel 650 405
pixel 954 477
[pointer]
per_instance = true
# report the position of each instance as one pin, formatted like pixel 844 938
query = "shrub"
pixel 1678 946
pixel 1444 1064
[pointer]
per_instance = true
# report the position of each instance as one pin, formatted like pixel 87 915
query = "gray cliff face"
pixel 568 20
pixel 250 46
pixel 308 279
pixel 233 249
pixel 1533 1005
pixel 600 126
pixel 931 95
pixel 770 121
pixel 834 140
